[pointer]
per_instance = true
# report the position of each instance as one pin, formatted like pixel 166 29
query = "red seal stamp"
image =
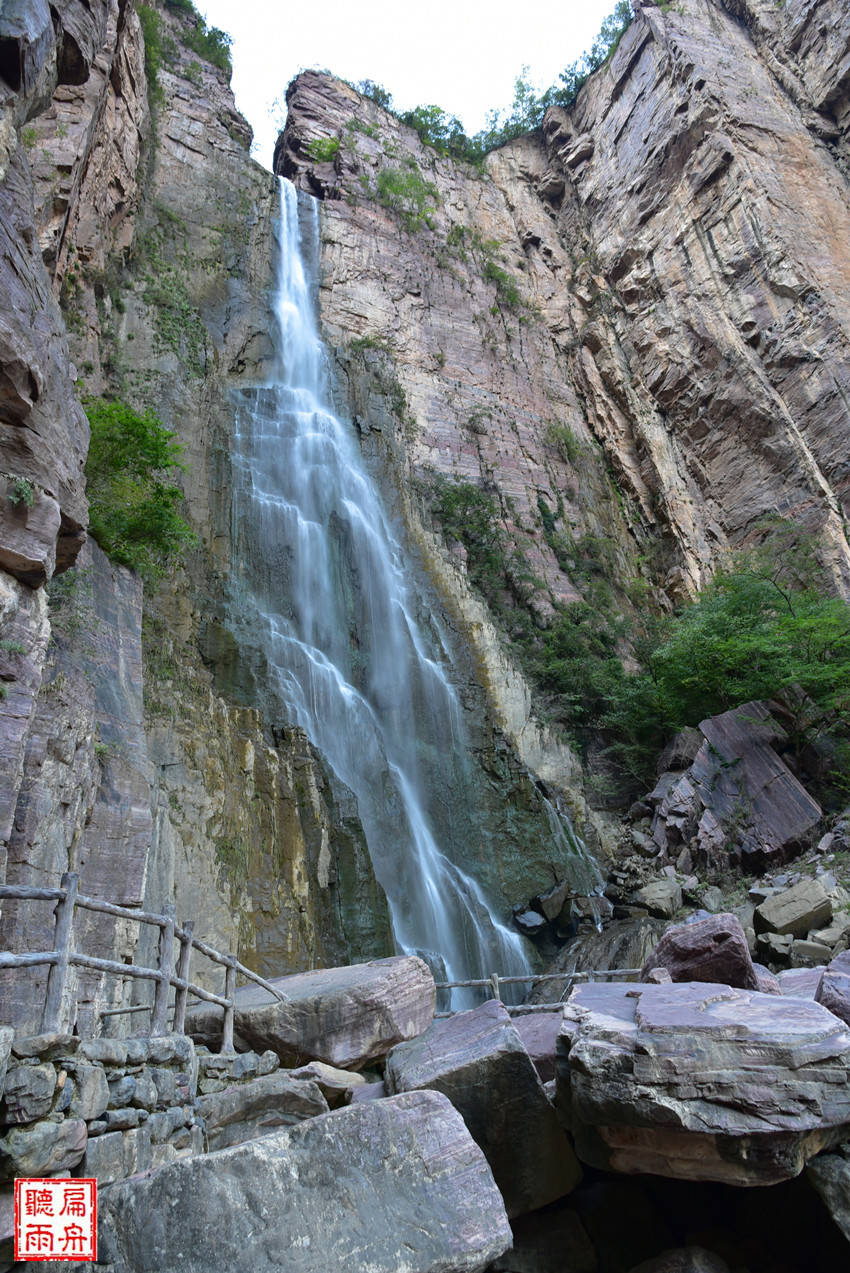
pixel 55 1219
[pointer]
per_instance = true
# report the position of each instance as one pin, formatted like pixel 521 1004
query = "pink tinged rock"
pixel 539 1034
pixel 713 949
pixel 384 1186
pixel 834 989
pixel 28 535
pixel 343 1016
pixel 477 1059
pixel 800 983
pixel 701 1082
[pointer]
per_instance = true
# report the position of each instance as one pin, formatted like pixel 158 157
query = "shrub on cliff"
pixel 133 511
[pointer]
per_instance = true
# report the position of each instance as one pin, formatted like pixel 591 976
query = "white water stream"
pixel 323 596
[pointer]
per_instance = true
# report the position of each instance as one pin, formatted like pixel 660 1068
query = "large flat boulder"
pixel 343 1016
pixel 385 1186
pixel 701 1082
pixel 258 1108
pixel 478 1060
pixel 795 911
pixel 713 949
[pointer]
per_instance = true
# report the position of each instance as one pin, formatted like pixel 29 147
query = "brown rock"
pixel 342 1016
pixel 701 1082
pixel 795 910
pixel 478 1061
pixel 335 1085
pixel 713 949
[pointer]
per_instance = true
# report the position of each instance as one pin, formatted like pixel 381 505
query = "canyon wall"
pixel 628 329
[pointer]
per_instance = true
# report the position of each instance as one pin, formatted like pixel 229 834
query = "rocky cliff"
pixel 629 327
pixel 628 330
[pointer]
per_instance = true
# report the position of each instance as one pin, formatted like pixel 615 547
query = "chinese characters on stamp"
pixel 55 1219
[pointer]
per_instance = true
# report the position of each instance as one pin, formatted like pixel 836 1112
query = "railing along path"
pixel 63 956
pixel 494 984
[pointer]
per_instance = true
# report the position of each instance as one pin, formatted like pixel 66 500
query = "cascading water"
pixel 322 597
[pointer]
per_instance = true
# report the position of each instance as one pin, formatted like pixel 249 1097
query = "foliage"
pixel 565 441
pixel 133 504
pixel 376 93
pixel 470 516
pixel 576 75
pixel 405 191
pixel 22 492
pixel 151 24
pixel 210 43
pixel 324 149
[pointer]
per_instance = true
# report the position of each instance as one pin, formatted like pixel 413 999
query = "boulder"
pixel 28 1093
pixel 91 1092
pixel 335 1085
pixel 342 1016
pixel 795 911
pixel 701 1082
pixel 800 983
pixel 44 1149
pixel 736 793
pixel 768 984
pixel 385 1186
pixel 661 898
pixel 477 1059
pixel 539 1033
pixel 713 949
pixel 830 1175
pixel 834 988
pixel 258 1108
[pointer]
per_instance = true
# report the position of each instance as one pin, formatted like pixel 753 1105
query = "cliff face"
pixel 632 325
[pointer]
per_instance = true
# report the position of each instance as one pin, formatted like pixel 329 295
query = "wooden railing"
pixel 494 984
pixel 63 956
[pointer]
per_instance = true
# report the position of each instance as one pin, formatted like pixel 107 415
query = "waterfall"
pixel 322 597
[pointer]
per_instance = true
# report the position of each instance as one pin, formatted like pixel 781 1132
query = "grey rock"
pixel 530 922
pixel 477 1059
pixel 44 1149
pixel 7 1034
pixel 368 1092
pixel 385 1186
pixel 342 1016
pixel 794 911
pixel 713 949
pixel 768 984
pixel 712 899
pixel 268 1063
pixel 145 1095
pixel 809 954
pixel 121 1119
pixel 165 1082
pixel 47 1047
pixel 701 1082
pixel 171 1049
pixel 104 1158
pixel 138 1051
pixel 834 989
pixel 136 1150
pixel 122 1091
pixel 335 1085
pixel 258 1108
pixel 661 898
pixel 800 983
pixel 830 1175
pixel 28 1094
pixel 106 1051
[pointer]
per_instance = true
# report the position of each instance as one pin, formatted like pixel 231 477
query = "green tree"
pixel 134 504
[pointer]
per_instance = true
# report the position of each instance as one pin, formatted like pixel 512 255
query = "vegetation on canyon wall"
pixel 445 133
pixel 133 504
pixel 210 43
pixel 764 628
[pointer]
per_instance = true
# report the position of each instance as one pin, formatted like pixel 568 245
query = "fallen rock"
pixel 800 983
pixel 386 1186
pixel 830 1175
pixel 335 1085
pixel 661 898
pixel 44 1149
pixel 834 988
pixel 539 1033
pixel 768 984
pixel 258 1108
pixel 342 1016
pixel 28 1093
pixel 713 949
pixel 701 1082
pixel 795 911
pixel 477 1059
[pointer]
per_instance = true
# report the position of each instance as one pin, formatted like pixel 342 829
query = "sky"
pixel 463 55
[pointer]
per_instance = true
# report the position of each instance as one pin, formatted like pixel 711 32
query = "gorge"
pixel 428 410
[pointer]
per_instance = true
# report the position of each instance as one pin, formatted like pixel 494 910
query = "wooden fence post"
pixel 159 1018
pixel 494 983
pixel 227 1047
pixel 56 978
pixel 180 994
